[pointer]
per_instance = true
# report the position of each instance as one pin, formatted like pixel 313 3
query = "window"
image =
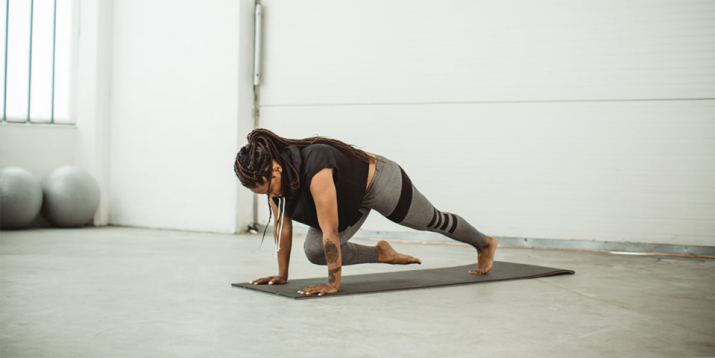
pixel 38 38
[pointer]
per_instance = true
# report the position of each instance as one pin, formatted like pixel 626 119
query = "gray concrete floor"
pixel 129 292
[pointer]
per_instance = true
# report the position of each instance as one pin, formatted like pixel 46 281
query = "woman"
pixel 331 187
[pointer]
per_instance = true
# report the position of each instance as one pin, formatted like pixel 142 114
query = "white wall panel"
pixel 407 51
pixel 175 115
pixel 610 171
pixel 583 120
pixel 38 149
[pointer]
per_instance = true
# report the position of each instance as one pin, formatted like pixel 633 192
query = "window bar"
pixel 7 21
pixel 29 70
pixel 54 36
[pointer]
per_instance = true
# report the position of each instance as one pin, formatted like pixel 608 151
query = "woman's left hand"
pixel 319 289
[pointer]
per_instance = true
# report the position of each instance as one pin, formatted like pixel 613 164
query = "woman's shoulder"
pixel 318 147
pixel 319 156
pixel 319 151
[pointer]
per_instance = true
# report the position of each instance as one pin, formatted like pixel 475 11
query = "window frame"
pixel 73 71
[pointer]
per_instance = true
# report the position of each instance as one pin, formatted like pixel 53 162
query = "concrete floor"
pixel 128 292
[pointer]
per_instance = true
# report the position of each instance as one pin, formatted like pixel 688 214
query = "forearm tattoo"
pixel 331 278
pixel 331 252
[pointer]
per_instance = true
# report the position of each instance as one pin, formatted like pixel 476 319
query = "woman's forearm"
pixel 331 245
pixel 285 246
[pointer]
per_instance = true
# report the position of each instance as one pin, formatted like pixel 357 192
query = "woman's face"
pixel 276 187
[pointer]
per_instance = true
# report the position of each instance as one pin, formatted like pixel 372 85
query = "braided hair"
pixel 254 162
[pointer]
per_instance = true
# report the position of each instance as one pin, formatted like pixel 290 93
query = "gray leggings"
pixel 403 204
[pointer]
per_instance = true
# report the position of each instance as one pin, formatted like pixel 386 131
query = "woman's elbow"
pixel 329 232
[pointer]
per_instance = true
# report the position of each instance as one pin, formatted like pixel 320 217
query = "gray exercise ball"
pixel 71 196
pixel 20 198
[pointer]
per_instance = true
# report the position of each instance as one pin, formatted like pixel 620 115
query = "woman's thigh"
pixel 393 195
pixel 315 236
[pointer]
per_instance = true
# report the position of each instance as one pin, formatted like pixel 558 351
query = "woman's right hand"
pixel 271 280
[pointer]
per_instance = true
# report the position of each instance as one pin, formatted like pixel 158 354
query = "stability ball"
pixel 20 197
pixel 71 196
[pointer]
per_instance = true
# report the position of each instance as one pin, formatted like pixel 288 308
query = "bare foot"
pixel 485 257
pixel 388 255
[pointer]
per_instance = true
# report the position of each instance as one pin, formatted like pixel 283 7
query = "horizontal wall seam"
pixel 483 102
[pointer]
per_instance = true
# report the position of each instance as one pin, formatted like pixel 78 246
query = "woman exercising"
pixel 331 187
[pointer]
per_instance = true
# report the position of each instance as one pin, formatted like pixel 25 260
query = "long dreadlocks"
pixel 254 162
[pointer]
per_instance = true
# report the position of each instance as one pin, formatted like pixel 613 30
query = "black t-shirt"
pixel 349 175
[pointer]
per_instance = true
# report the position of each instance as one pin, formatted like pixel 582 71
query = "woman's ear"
pixel 277 168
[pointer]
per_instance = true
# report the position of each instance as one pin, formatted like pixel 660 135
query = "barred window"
pixel 36 71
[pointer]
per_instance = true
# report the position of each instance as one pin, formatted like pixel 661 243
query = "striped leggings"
pixel 403 204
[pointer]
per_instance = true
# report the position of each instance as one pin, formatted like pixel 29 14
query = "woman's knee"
pixel 315 254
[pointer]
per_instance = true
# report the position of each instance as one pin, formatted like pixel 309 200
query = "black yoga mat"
pixel 404 280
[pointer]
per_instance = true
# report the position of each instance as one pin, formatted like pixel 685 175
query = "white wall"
pixel 181 109
pixel 162 103
pixel 581 120
pixel 93 98
pixel 38 149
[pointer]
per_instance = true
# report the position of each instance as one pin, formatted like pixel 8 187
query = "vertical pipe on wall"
pixel 257 38
pixel 245 199
pixel 54 40
pixel 29 69
pixel 7 28
pixel 257 46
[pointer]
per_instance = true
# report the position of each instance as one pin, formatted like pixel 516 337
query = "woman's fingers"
pixel 307 291
pixel 261 280
pixel 315 289
pixel 271 280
